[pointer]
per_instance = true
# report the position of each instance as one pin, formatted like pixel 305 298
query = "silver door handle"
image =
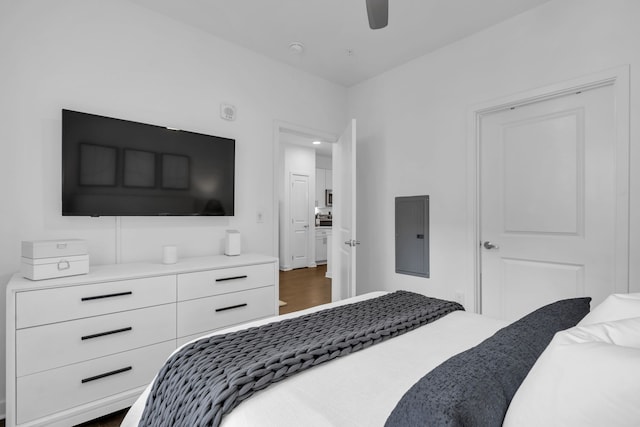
pixel 488 245
pixel 352 242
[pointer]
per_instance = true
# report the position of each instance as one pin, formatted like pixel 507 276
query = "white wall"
pixel 296 160
pixel 323 162
pixel 117 59
pixel 412 128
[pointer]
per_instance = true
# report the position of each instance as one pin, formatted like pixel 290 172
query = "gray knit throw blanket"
pixel 209 377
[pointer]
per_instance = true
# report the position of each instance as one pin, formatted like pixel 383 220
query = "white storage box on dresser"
pixel 47 259
pixel 83 346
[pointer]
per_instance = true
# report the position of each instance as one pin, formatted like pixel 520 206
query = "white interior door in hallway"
pixel 299 205
pixel 548 202
pixel 344 243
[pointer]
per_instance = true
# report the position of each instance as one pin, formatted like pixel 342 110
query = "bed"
pixel 419 372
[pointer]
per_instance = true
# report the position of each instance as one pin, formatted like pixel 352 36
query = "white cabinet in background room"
pixel 84 346
pixel 324 181
pixel 328 180
pixel 322 235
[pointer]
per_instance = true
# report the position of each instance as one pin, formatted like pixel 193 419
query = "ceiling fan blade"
pixel 378 12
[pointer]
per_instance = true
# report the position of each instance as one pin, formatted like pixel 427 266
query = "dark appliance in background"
pixel 328 197
pixel 324 220
pixel 122 168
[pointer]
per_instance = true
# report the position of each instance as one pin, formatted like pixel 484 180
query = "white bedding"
pixel 360 389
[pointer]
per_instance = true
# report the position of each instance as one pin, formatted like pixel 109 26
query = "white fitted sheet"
pixel 360 389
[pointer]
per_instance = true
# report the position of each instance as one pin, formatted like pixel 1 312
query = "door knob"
pixel 352 243
pixel 488 245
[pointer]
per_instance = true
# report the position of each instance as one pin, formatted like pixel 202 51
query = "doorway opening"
pixel 303 181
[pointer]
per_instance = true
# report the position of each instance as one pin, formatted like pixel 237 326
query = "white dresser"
pixel 83 346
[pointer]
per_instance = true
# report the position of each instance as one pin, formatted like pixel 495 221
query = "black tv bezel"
pixel 143 214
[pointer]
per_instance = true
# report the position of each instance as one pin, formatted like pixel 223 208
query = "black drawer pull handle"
pixel 102 334
pixel 224 279
pixel 231 307
pixel 107 374
pixel 119 294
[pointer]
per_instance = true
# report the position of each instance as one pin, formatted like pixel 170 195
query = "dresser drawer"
pixel 206 314
pixel 40 307
pixel 216 282
pixel 83 339
pixel 64 388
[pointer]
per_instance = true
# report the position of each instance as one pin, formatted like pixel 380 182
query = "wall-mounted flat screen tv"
pixel 120 168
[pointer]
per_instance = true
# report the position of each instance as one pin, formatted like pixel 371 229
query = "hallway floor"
pixel 303 288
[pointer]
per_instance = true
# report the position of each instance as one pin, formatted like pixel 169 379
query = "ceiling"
pixel 291 137
pixel 338 44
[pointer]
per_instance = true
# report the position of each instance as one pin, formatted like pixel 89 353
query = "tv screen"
pixel 119 167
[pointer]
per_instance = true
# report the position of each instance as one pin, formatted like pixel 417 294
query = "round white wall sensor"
pixel 227 111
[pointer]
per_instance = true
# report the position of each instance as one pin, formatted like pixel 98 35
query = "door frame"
pixel 278 171
pixel 617 77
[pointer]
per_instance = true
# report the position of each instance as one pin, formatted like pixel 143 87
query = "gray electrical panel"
pixel 412 235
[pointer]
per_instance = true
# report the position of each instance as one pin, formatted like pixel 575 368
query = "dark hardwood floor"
pixel 300 289
pixel 111 420
pixel 304 288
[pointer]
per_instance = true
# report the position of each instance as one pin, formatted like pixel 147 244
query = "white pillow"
pixel 614 307
pixel 625 332
pixel 587 376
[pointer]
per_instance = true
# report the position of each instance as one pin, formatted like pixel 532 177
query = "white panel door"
pixel 548 202
pixel 343 277
pixel 299 205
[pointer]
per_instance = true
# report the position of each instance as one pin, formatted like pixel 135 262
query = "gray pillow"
pixel 475 387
